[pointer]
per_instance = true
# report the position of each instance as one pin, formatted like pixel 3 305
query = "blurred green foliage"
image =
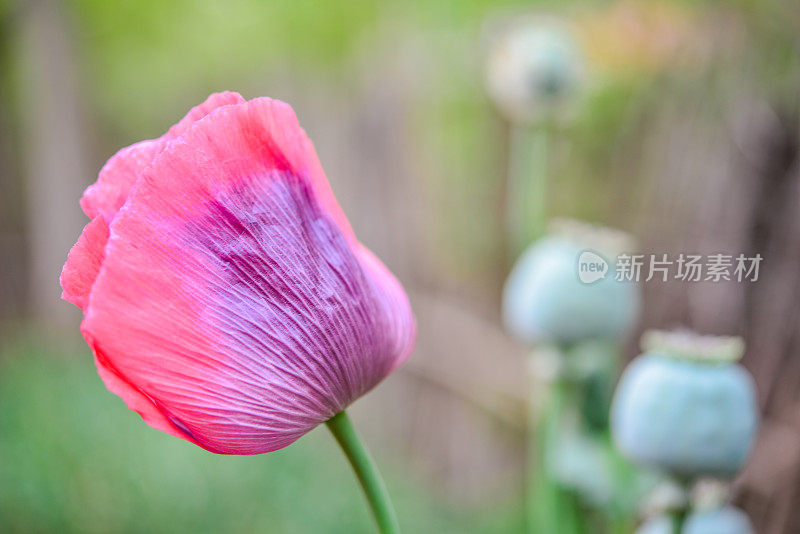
pixel 141 54
pixel 74 459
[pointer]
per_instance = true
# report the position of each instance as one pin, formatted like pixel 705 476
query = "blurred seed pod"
pixel 545 300
pixel 667 496
pixel 686 407
pixel 724 520
pixel 534 68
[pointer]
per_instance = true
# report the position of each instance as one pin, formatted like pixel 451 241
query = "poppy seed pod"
pixel 686 406
pixel 545 299
pixel 533 68
pixel 725 520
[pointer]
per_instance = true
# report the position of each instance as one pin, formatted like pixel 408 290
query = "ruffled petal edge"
pixel 115 180
pixel 84 262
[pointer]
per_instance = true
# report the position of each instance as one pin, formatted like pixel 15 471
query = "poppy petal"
pixel 133 397
pixel 107 195
pixel 83 263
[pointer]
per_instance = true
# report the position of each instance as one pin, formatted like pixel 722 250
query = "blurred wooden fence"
pixel 731 187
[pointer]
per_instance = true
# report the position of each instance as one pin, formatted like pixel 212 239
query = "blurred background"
pixel 685 134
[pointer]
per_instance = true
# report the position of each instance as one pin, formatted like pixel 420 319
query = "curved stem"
pixel 366 471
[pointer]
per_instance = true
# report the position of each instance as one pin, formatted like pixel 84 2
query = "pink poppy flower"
pixel 225 296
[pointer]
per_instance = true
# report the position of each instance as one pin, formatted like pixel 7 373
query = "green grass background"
pixel 73 458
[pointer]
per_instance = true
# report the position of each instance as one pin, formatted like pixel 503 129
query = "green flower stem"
pixel 366 471
pixel 678 517
pixel 549 507
pixel 678 514
pixel 527 183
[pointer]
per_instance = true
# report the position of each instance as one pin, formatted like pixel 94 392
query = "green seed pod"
pixel 725 520
pixel 533 69
pixel 686 406
pixel 545 299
